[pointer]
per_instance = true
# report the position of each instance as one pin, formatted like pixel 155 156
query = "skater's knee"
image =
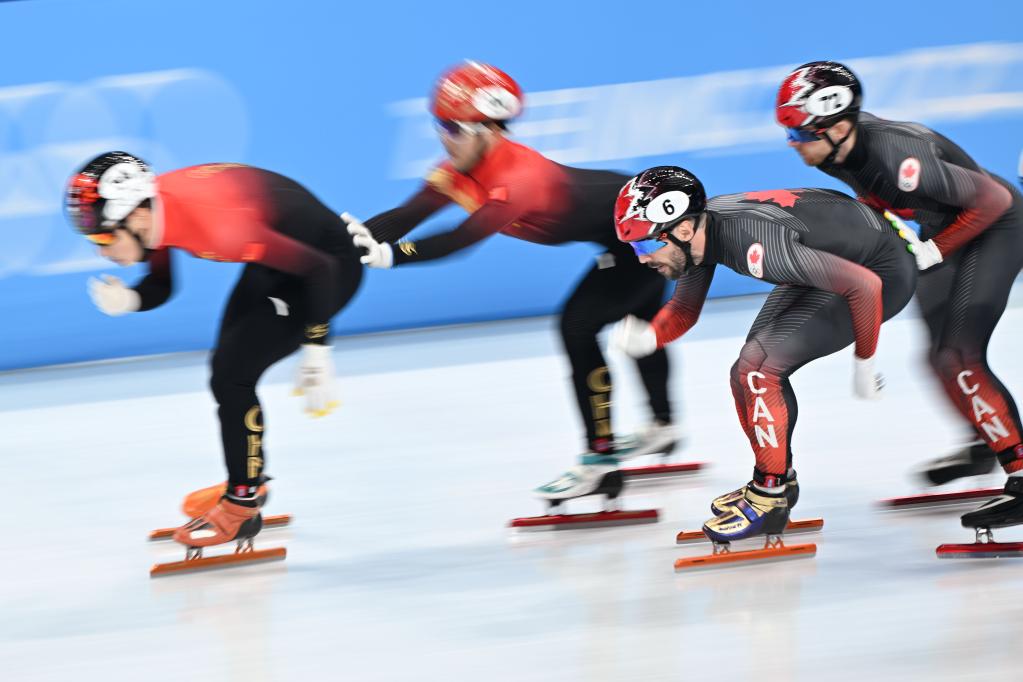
pixel 949 361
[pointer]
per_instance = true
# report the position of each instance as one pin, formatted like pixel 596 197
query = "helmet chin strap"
pixel 686 246
pixel 835 146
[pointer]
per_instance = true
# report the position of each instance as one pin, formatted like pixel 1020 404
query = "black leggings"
pixel 263 323
pixel 623 286
pixel 796 325
pixel 962 300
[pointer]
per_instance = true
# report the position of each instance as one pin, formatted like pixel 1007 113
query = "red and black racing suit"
pixel 517 192
pixel 840 271
pixel 301 269
pixel 976 221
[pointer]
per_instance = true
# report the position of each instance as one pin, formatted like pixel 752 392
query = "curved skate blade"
pixel 980 550
pixel 689 537
pixel 578 521
pixel 928 500
pixel 268 522
pixel 254 556
pixel 657 471
pixel 749 556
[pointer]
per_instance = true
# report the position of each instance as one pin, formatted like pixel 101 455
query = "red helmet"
pixel 818 95
pixel 474 92
pixel 656 200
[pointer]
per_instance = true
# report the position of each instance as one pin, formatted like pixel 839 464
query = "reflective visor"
pixel 645 247
pixel 801 135
pixel 456 128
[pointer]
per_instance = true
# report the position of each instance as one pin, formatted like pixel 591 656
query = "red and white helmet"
pixel 475 92
pixel 656 200
pixel 818 95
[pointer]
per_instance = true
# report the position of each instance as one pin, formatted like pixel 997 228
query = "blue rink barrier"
pixel 314 93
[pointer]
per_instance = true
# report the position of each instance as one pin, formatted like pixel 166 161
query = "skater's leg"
pixel 984 272
pixel 607 293
pixel 653 369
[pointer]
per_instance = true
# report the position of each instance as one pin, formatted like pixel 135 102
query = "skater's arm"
pixel 390 226
pixel 980 197
pixel 156 287
pixel 489 219
pixel 861 287
pixel 682 311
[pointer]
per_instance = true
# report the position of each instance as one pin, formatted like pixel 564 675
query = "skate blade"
pixel 690 537
pixel 574 521
pixel 927 500
pixel 980 550
pixel 655 471
pixel 749 556
pixel 268 522
pixel 254 556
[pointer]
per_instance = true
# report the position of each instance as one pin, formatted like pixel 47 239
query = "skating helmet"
pixel 473 92
pixel 104 191
pixel 656 200
pixel 818 95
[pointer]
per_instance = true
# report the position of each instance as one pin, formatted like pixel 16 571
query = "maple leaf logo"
pixel 782 197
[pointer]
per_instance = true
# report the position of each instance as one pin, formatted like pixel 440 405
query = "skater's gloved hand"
pixel 112 297
pixel 926 252
pixel 867 383
pixel 315 380
pixel 634 337
pixel 378 254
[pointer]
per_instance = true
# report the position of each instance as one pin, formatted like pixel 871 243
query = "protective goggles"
pixel 101 238
pixel 801 135
pixel 456 128
pixel 645 247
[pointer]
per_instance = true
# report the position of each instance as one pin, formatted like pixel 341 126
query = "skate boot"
pixel 596 475
pixel 201 501
pixel 1004 510
pixel 975 459
pixel 658 438
pixel 228 520
pixel 720 505
pixel 755 513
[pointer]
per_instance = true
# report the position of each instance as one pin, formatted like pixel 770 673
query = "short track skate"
pixel 774 549
pixel 984 548
pixel 933 500
pixel 610 488
pixel 662 471
pixel 690 537
pixel 244 554
pixel 277 521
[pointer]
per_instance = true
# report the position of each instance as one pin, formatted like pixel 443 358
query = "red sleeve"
pixel 682 311
pixel 983 203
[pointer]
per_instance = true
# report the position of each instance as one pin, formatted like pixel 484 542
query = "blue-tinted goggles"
pixel 645 247
pixel 801 135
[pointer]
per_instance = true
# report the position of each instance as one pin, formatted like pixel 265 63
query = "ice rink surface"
pixel 400 565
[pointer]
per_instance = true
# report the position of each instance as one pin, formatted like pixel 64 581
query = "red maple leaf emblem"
pixel 754 257
pixel 782 197
pixel 908 171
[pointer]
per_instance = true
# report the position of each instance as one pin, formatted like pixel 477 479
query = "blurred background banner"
pixel 334 95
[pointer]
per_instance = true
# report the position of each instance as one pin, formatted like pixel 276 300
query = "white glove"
pixel 634 337
pixel 867 383
pixel 378 254
pixel 926 253
pixel 112 297
pixel 315 380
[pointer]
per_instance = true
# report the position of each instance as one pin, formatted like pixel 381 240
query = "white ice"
pixel 400 566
